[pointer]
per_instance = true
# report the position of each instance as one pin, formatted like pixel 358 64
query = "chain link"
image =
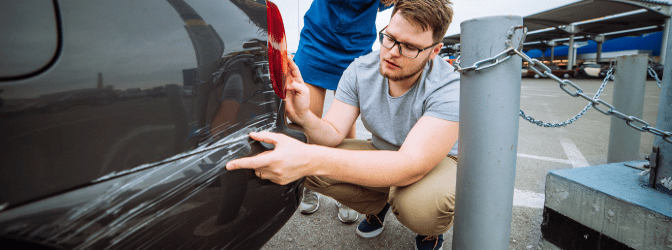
pixel 578 92
pixel 653 73
pixel 593 101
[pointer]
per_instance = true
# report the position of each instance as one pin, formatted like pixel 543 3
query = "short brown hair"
pixel 430 14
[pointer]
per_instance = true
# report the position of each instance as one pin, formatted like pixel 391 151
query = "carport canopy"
pixel 597 20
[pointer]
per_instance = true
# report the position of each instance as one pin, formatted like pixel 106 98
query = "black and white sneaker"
pixel 431 242
pixel 373 225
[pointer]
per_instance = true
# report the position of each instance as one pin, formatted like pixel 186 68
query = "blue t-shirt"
pixel 335 32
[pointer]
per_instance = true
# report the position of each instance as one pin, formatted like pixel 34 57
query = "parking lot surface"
pixel 580 144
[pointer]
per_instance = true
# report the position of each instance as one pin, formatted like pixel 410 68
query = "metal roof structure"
pixel 597 20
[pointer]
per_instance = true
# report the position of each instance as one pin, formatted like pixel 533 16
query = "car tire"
pixel 536 76
pixel 566 76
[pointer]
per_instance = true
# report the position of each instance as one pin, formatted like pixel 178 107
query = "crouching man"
pixel 409 100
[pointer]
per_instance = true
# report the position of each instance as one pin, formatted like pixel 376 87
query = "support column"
pixel 629 89
pixel 552 55
pixel 664 121
pixel 664 42
pixel 570 52
pixel 489 107
pixel 598 55
pixel 543 56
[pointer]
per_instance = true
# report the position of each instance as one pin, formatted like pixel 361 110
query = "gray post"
pixel 629 88
pixel 664 41
pixel 664 121
pixel 543 56
pixel 489 107
pixel 599 40
pixel 570 52
pixel 552 55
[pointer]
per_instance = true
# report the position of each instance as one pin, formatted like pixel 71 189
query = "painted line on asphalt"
pixel 544 95
pixel 524 198
pixel 544 158
pixel 573 153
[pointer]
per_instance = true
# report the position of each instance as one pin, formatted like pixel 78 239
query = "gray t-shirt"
pixel 390 119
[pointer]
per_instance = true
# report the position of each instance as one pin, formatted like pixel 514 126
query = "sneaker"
pixel 433 242
pixel 373 225
pixel 310 202
pixel 346 214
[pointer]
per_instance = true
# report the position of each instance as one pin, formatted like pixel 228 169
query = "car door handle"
pixel 282 127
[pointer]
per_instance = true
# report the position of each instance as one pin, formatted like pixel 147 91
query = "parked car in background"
pixel 555 70
pixel 658 69
pixel 118 117
pixel 589 69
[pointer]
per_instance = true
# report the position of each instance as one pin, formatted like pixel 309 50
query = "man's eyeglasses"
pixel 405 49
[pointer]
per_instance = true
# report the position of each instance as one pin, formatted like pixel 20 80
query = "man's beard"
pixel 414 71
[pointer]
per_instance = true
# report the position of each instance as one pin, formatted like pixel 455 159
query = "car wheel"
pixel 536 76
pixel 566 76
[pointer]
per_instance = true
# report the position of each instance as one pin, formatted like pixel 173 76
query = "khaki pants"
pixel 426 206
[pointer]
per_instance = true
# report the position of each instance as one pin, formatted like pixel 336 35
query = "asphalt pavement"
pixel 580 144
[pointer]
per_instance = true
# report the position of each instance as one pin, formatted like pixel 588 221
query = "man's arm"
pixel 334 127
pixel 429 142
pixel 426 145
pixel 329 131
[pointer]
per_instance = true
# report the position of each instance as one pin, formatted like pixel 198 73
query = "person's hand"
pixel 284 164
pixel 298 95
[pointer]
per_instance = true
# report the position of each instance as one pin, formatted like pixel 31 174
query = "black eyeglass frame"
pixel 380 40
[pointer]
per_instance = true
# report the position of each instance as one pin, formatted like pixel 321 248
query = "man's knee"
pixel 426 207
pixel 426 216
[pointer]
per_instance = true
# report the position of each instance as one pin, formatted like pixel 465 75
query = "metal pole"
pixel 489 107
pixel 629 88
pixel 664 121
pixel 575 55
pixel 552 55
pixel 570 52
pixel 599 40
pixel 664 42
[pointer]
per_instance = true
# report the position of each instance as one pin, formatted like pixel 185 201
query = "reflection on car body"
pixel 120 140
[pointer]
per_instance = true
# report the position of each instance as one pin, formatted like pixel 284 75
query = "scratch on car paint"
pixel 115 216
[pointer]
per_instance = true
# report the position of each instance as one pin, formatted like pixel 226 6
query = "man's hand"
pixel 298 96
pixel 286 163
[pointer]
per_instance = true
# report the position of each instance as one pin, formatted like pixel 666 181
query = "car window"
pixel 29 28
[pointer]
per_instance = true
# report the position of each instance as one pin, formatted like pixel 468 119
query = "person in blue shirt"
pixel 335 32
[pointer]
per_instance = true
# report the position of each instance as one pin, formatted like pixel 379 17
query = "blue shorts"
pixel 321 78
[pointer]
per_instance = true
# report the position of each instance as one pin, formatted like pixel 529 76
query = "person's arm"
pixel 329 131
pixel 334 127
pixel 426 145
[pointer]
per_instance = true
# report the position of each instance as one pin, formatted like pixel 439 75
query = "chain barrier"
pixel 632 121
pixel 653 73
pixel 577 116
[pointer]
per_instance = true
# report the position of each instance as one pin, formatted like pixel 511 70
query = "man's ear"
pixel 435 50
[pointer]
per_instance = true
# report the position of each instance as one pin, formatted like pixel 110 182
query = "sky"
pixel 293 10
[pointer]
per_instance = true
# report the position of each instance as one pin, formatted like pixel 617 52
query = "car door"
pixel 118 135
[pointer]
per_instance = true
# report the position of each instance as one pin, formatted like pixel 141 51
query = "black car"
pixel 590 70
pixel 657 69
pixel 118 117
